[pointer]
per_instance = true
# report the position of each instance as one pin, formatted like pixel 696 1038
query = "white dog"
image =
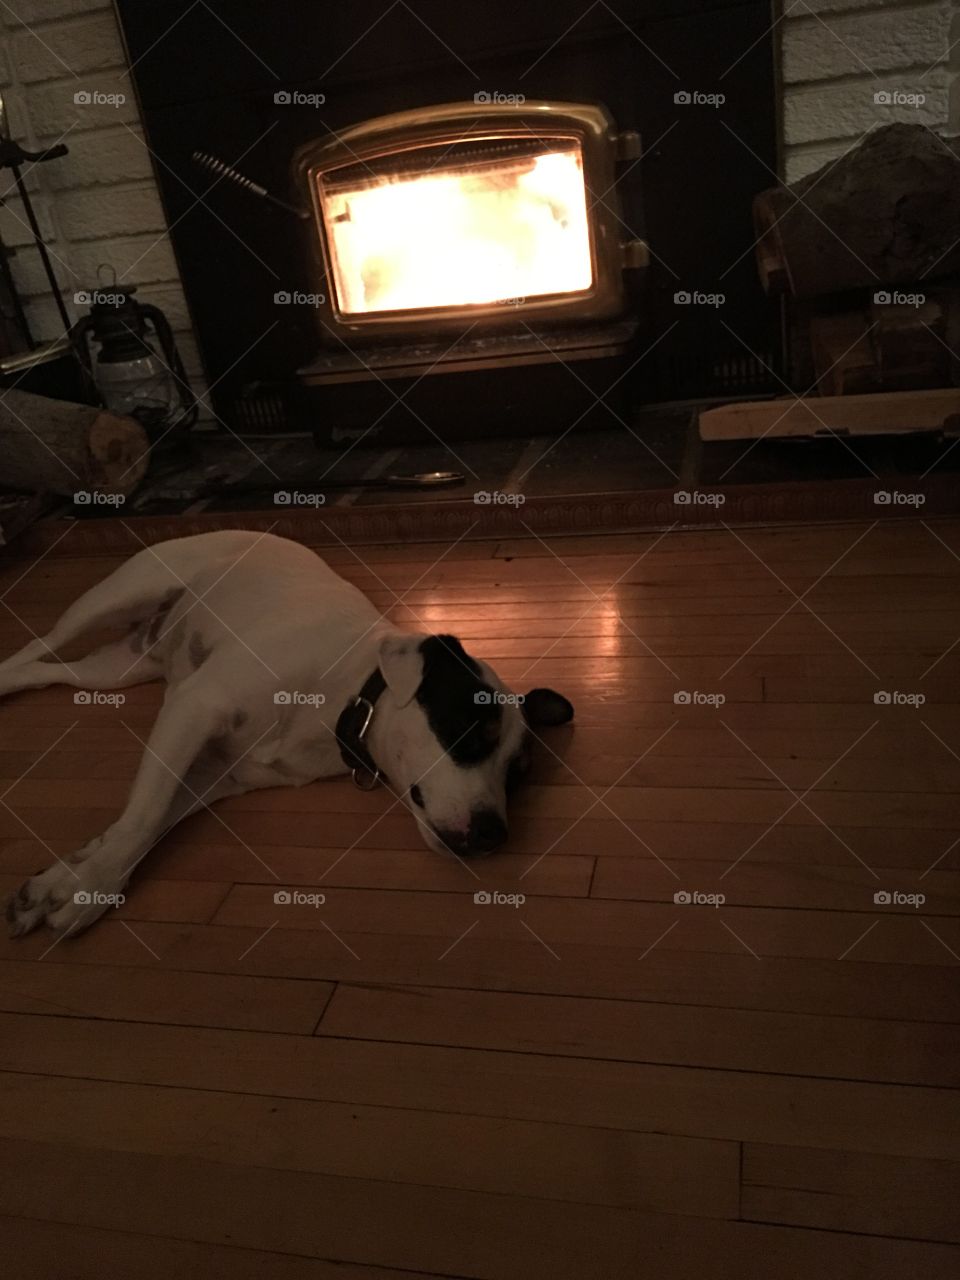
pixel 278 672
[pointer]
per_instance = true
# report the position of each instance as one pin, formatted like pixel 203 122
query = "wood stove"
pixel 201 86
pixel 470 232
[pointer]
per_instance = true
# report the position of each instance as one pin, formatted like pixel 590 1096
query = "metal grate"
pixel 261 408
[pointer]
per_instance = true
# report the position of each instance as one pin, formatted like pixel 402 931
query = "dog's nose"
pixel 487 831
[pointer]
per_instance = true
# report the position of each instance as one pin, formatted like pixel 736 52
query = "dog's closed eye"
pixel 416 796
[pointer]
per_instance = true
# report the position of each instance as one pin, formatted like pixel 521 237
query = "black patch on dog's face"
pixel 466 723
pixel 519 765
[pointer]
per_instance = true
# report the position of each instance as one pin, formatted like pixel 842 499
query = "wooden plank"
pixel 39 1248
pixel 727 1105
pixel 569 1162
pixel 657 611
pixel 774 541
pixel 771 884
pixel 887 413
pixel 698 546
pixel 849 1191
pixel 432 581
pixel 667 973
pixel 884 1051
pixel 435 1229
pixel 59 986
pixel 896 933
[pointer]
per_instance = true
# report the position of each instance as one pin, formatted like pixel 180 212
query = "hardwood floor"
pixel 606 1080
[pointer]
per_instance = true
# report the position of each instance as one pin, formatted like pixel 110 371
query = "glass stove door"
pixel 432 233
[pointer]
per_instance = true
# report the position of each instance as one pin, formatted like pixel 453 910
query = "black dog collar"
pixel 352 726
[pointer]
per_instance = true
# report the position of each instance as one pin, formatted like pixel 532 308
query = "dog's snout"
pixel 487 832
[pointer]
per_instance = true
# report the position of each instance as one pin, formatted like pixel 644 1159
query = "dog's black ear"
pixel 543 708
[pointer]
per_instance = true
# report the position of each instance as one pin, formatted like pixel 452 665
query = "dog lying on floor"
pixel 278 673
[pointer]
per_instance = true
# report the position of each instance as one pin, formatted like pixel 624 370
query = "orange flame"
pixel 508 230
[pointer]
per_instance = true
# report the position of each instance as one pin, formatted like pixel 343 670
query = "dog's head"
pixel 454 740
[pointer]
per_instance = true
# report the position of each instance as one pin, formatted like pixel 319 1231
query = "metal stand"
pixel 12 157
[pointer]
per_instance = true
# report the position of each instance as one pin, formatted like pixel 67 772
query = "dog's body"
pixel 265 649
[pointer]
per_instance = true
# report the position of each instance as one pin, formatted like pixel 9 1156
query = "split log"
pixel 54 446
pixel 885 213
pixel 894 345
pixel 890 413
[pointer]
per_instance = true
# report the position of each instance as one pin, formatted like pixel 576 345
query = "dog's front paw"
pixel 65 898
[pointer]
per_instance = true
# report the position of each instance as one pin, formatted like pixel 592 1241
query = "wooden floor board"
pixel 711 1027
pixel 424 1228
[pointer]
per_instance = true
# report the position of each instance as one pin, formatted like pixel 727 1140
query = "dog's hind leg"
pixel 115 666
pixel 72 894
pixel 139 588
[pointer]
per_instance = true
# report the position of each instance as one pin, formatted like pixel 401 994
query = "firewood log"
pixel 54 446
pixel 900 344
pixel 886 213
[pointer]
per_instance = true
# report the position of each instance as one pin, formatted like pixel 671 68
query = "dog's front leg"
pixel 73 893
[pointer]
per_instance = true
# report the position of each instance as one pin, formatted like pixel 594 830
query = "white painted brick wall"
pixel 836 55
pixel 99 205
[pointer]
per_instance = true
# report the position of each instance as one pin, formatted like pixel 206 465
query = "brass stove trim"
pixel 589 125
